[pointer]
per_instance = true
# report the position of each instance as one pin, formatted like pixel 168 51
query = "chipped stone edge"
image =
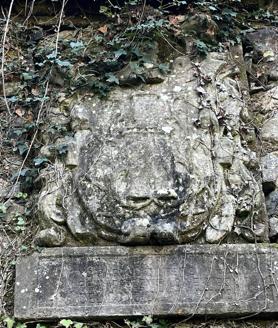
pixel 31 262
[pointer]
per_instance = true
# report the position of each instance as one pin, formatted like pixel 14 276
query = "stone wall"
pixel 183 150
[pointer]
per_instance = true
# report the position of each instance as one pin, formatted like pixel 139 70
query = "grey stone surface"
pixel 270 170
pixel 98 282
pixel 272 203
pixel 161 163
pixel 264 43
pixel 270 132
pixel 273 227
pixel 50 237
pixel 272 211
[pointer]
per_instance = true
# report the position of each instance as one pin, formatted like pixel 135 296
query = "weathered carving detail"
pixel 95 282
pixel 163 163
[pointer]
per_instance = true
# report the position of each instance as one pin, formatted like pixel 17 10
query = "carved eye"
pixel 138 199
pixel 138 202
pixel 166 195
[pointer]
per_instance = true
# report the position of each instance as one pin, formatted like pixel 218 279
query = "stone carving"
pixel 263 46
pixel 95 282
pixel 162 163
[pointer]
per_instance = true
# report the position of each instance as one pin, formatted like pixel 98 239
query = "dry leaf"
pixel 35 91
pixel 20 112
pixel 103 29
pixel 210 31
pixel 176 20
pixel 29 117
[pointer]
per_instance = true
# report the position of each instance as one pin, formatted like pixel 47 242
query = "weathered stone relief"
pixel 164 163
pixel 264 64
pixel 185 280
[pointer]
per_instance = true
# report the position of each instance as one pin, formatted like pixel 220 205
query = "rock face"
pixel 164 163
pixel 97 282
pixel 264 45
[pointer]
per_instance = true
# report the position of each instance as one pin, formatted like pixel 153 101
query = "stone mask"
pixel 160 164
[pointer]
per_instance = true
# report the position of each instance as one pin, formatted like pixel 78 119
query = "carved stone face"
pixel 134 173
pixel 156 166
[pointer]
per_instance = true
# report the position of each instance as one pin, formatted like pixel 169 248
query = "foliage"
pixel 144 322
pixel 11 323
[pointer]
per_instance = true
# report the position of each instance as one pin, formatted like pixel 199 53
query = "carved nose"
pixel 159 196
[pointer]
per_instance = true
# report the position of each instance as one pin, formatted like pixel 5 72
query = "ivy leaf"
pixel 9 322
pixel 119 53
pixel 27 76
pixel 63 63
pixel 201 47
pixel 135 68
pixel 76 44
pixel 66 323
pixel 21 195
pixel 212 8
pixel 78 325
pixel 21 325
pixel 164 68
pixel 105 11
pixel 51 55
pixel 38 161
pixel 111 78
pixel 229 12
pixel 147 319
pixel 133 2
pixel 22 148
pixel 20 221
pixel 137 52
pixel 12 99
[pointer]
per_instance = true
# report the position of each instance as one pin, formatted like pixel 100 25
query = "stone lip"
pixel 118 282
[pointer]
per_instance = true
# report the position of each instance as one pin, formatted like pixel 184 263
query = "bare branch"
pixel 6 28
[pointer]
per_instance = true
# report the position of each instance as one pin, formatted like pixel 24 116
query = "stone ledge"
pixel 103 282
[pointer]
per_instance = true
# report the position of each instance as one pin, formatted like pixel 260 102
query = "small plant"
pixel 11 323
pixel 147 322
pixel 20 222
pixel 21 195
pixel 67 323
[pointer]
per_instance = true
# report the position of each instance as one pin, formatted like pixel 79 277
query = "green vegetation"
pixel 118 47
pixel 144 322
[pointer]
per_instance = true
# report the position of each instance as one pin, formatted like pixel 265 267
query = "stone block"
pixel 270 171
pixel 118 282
pixel 269 131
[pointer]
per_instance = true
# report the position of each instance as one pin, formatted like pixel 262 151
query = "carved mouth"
pixel 147 229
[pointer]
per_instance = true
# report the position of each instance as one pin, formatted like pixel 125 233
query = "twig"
pixel 30 11
pixel 59 27
pixel 140 21
pixel 6 28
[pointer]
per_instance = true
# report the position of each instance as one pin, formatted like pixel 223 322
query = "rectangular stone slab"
pixel 101 282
